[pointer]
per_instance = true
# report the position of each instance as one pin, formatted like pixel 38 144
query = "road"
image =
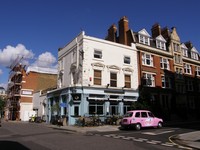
pixel 32 136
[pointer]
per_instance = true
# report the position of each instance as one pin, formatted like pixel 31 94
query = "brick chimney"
pixel 123 28
pixel 156 30
pixel 165 33
pixel 188 44
pixel 112 33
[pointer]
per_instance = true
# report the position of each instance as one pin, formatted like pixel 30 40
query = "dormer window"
pixel 98 54
pixel 144 37
pixel 160 42
pixel 185 52
pixel 194 56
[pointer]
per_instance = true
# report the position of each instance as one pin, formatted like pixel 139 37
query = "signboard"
pixel 63 104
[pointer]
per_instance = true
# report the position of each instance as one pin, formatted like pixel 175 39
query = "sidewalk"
pixel 191 139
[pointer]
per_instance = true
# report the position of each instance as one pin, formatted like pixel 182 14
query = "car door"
pixel 146 121
pixel 153 119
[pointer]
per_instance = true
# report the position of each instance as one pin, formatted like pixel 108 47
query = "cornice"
pixel 153 50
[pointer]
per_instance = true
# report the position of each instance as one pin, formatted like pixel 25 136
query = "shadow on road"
pixel 11 145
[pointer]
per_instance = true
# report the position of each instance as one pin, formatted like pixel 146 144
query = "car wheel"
pixel 137 126
pixel 160 125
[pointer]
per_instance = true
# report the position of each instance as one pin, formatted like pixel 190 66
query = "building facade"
pixel 95 76
pixel 168 68
pixel 21 86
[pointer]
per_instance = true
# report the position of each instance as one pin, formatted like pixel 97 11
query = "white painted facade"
pixel 76 87
pixel 112 60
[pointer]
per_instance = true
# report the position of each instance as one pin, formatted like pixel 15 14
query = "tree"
pixel 143 101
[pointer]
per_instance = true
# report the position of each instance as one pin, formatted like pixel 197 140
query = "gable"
pixel 194 50
pixel 160 38
pixel 144 32
pixel 174 35
pixel 183 46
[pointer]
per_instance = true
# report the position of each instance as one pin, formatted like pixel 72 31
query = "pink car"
pixel 139 119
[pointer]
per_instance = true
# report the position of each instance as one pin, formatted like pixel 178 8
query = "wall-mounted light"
pixel 107 85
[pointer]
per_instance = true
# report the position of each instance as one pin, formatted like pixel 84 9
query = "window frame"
pixel 97 54
pixel 149 77
pixel 144 39
pixel 197 70
pixel 187 69
pixel 166 82
pixel 113 81
pixel 164 63
pixel 95 78
pixel 127 60
pixel 127 83
pixel 147 59
pixel 160 44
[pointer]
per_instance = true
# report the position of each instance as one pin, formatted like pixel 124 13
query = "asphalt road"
pixel 32 136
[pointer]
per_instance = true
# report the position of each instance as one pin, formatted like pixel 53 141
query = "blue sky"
pixel 37 28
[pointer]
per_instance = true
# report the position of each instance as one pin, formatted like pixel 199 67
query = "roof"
pixel 2 88
pixel 41 70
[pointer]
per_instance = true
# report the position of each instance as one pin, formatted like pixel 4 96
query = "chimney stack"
pixel 156 30
pixel 188 44
pixel 165 33
pixel 112 33
pixel 123 28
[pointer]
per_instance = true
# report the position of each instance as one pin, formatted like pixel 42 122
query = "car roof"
pixel 138 111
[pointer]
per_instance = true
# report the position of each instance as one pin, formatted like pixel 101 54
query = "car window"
pixel 128 114
pixel 150 114
pixel 144 115
pixel 137 114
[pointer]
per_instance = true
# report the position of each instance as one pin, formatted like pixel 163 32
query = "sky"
pixel 35 29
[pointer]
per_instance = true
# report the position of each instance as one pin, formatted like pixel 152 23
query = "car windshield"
pixel 128 114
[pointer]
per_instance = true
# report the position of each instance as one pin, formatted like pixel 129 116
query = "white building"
pixel 95 76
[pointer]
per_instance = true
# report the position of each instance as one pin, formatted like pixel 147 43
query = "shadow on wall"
pixel 11 145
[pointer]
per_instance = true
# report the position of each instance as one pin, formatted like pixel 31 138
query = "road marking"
pixel 153 133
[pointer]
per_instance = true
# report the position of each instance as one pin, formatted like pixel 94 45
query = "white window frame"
pixel 177 58
pixel 144 39
pixel 97 54
pixel 160 45
pixel 176 47
pixel 164 63
pixel 194 55
pixel 197 70
pixel 147 59
pixel 166 82
pixel 150 79
pixel 185 52
pixel 187 69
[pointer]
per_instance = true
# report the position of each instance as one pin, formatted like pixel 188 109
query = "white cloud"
pixel 9 54
pixel 1 72
pixel 3 85
pixel 45 60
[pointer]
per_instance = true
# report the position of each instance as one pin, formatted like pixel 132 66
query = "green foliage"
pixel 55 108
pixel 143 101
